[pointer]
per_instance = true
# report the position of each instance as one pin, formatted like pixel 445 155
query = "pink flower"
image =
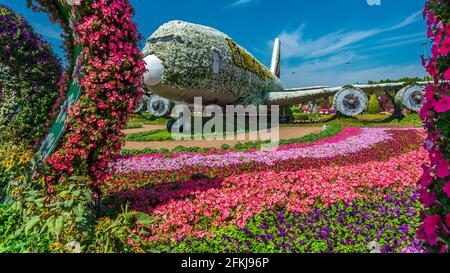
pixel 426 177
pixel 425 111
pixel 443 105
pixel 432 224
pixel 427 198
pixel 447 219
pixel 447 75
pixel 443 168
pixel 446 189
pixel 445 47
pixel 429 93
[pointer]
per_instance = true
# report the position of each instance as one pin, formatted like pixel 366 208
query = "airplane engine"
pixel 350 101
pixel 140 104
pixel 158 106
pixel 411 97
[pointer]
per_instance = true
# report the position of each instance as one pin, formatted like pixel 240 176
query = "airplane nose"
pixel 155 70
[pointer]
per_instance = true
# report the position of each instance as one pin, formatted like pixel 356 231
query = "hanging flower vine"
pixel 435 182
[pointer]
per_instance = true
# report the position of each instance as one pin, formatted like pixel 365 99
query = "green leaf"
pixel 145 219
pixel 31 224
pixel 59 223
pixel 68 203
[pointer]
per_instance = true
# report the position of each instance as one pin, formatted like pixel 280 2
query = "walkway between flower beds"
pixel 285 133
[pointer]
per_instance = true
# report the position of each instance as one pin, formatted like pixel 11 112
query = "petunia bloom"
pixel 446 189
pixel 443 168
pixel 443 105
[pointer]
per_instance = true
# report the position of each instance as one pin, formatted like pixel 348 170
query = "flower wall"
pixel 435 182
pixel 30 72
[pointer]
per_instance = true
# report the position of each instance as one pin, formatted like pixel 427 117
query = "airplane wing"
pixel 352 98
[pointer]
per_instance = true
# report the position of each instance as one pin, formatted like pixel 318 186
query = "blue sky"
pixel 324 42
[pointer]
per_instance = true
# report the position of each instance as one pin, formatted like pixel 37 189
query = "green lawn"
pixel 368 120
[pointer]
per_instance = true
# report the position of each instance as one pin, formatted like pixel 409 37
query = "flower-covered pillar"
pixel 435 182
pixel 102 42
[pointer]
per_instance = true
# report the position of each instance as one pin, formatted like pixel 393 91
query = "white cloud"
pixel 295 45
pixel 46 31
pixel 395 44
pixel 241 3
pixel 308 75
pixel 404 37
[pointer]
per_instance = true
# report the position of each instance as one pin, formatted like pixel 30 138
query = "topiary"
pixel 374 106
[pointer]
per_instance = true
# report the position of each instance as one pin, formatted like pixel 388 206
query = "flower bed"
pixel 198 206
pixel 358 164
pixel 384 224
pixel 144 171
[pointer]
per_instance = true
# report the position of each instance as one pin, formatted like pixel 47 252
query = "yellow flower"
pixel 8 164
pixel 24 158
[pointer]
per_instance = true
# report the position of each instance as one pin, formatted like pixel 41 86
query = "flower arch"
pixel 435 182
pixel 106 69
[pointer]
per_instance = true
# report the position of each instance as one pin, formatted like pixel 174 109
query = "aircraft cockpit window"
pixel 166 39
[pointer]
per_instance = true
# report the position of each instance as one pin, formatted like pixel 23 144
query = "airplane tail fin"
pixel 276 56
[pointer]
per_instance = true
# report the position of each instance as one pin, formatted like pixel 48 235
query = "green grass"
pixel 134 125
pixel 147 119
pixel 155 135
pixel 164 135
pixel 376 120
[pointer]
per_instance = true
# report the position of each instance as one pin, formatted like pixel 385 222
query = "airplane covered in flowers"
pixel 186 61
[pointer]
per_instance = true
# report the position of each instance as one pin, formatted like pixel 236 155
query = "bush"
pixel 42 218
